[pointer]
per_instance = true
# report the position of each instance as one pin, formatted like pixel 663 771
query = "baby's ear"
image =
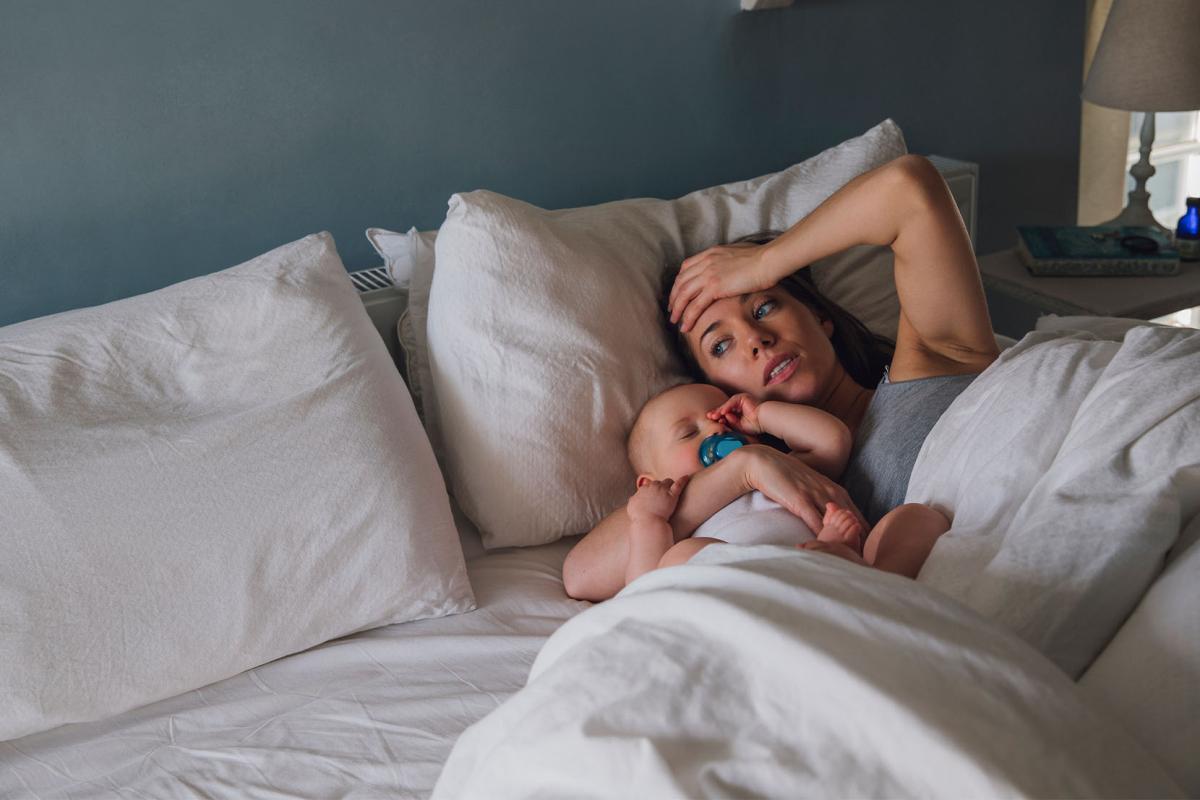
pixel 642 480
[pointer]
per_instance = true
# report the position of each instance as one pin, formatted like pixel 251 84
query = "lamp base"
pixel 1137 210
pixel 1138 215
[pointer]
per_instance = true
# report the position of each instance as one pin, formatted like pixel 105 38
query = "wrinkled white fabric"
pixel 755 518
pixel 1069 468
pixel 770 672
pixel 545 334
pixel 204 478
pixel 1148 676
pixel 371 715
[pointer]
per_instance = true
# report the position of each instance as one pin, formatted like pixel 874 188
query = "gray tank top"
pixel 898 418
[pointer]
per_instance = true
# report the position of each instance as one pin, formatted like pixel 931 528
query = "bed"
pixel 1021 663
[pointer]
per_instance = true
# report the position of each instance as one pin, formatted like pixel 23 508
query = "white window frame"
pixel 1165 153
pixel 1162 154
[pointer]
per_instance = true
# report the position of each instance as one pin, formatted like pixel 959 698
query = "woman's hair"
pixel 862 353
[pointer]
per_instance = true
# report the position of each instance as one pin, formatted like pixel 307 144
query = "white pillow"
pixel 396 251
pixel 411 256
pixel 202 479
pixel 1111 328
pixel 862 280
pixel 545 336
pixel 1149 674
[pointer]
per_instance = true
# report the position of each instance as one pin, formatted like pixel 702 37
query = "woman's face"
pixel 767 344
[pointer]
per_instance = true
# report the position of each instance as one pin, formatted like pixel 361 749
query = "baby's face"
pixel 675 423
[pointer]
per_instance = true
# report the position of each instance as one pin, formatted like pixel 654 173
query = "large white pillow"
pixel 860 280
pixel 545 336
pixel 1149 674
pixel 204 478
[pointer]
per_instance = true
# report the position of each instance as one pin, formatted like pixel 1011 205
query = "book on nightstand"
pixel 1098 250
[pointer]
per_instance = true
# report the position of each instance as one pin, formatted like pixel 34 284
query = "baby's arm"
pixel 816 437
pixel 650 532
pixel 820 440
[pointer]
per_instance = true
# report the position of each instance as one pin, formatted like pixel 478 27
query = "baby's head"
pixel 665 440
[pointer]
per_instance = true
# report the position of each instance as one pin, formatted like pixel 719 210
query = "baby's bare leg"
pixel 902 540
pixel 685 549
pixel 841 527
pixel 649 541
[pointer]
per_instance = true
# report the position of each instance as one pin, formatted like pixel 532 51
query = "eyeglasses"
pixel 1133 243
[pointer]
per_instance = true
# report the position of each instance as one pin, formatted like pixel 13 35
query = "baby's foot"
pixel 841 527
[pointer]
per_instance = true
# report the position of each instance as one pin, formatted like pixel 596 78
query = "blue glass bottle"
pixel 1187 233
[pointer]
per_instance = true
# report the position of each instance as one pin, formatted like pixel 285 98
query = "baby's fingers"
pixel 724 409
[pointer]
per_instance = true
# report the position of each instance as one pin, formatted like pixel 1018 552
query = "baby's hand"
pixel 739 412
pixel 656 499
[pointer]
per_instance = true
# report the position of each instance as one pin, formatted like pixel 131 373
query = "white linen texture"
pixel 1148 676
pixel 769 672
pixel 545 336
pixel 1069 468
pixel 373 715
pixel 202 479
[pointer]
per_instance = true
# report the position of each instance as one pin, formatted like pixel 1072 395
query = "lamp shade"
pixel 1148 58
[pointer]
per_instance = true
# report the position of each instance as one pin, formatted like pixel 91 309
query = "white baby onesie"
pixel 755 519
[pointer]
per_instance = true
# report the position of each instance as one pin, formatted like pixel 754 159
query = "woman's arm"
pixel 904 204
pixel 595 567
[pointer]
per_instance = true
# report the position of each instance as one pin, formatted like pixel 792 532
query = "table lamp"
pixel 1148 60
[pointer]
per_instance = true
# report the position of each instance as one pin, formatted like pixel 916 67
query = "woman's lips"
pixel 783 374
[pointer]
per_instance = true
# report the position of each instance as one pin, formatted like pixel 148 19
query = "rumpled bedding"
pixel 367 716
pixel 1069 468
pixel 768 672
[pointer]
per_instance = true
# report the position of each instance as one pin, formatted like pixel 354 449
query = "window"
pixel 1176 160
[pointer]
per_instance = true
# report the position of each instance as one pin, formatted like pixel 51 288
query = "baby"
pixel 664 449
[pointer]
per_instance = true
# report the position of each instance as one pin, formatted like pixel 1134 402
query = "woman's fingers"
pixel 684 275
pixel 806 509
pixel 695 307
pixel 690 271
pixel 681 292
pixel 797 487
pixel 688 289
pixel 692 261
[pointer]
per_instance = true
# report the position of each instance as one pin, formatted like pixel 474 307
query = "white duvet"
pixel 1069 468
pixel 767 672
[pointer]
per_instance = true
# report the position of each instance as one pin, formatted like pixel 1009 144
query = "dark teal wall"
pixel 144 142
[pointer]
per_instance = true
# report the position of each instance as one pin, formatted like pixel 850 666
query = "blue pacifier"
pixel 719 445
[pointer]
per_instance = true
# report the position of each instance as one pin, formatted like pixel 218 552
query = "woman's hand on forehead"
pixel 716 273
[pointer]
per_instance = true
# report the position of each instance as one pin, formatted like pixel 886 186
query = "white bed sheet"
pixel 370 715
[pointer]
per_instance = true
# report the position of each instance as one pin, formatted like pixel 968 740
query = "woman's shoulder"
pixel 905 401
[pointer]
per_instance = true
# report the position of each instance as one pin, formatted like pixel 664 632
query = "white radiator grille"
pixel 369 280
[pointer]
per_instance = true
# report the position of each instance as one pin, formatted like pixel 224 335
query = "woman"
pixel 747 329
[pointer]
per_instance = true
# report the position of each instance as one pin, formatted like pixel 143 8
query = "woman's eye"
pixel 719 348
pixel 764 308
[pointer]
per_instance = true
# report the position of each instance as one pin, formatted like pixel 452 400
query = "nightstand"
pixel 1016 299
